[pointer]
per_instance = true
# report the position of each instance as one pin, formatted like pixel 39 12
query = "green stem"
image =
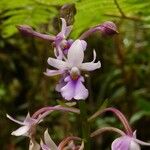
pixel 84 124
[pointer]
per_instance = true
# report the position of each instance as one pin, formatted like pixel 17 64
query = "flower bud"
pixel 25 29
pixel 108 28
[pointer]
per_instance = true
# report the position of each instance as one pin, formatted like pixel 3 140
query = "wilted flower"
pixel 28 126
pixel 72 67
pixel 49 144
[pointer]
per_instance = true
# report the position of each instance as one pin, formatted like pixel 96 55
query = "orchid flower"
pixel 128 140
pixel 60 42
pixel 124 142
pixel 49 144
pixel 73 65
pixel 29 124
pixel 27 128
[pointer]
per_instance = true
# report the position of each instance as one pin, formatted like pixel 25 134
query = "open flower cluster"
pixel 68 62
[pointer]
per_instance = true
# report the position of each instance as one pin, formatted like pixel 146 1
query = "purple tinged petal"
pixel 53 72
pixel 21 131
pixel 80 91
pixel 76 54
pixel 60 84
pixel 59 64
pixel 28 120
pixel 65 30
pixel 68 30
pixel 74 89
pixel 45 147
pixel 68 90
pixel 122 143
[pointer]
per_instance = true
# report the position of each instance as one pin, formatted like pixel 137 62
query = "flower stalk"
pixel 119 115
pixel 84 124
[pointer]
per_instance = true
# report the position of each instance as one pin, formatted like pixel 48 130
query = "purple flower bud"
pixel 108 28
pixel 28 31
pixel 25 29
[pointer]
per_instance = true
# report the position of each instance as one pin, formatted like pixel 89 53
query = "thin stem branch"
pixel 119 8
pixel 48 109
pixel 104 129
pixel 120 116
pixel 124 17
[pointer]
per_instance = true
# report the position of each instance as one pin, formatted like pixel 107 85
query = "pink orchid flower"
pixel 128 140
pixel 27 128
pixel 72 67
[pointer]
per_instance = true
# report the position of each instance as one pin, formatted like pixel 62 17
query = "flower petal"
pixel 49 142
pixel 58 52
pixel 134 146
pixel 45 147
pixel 63 27
pixel 14 120
pixel 68 30
pixel 65 30
pixel 74 89
pixel 59 64
pixel 68 90
pixel 90 66
pixel 76 54
pixel 60 84
pixel 29 120
pixel 52 72
pixel 80 91
pixel 21 131
pixel 84 45
pixel 122 143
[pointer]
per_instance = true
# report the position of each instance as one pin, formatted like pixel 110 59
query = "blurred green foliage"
pixel 123 80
